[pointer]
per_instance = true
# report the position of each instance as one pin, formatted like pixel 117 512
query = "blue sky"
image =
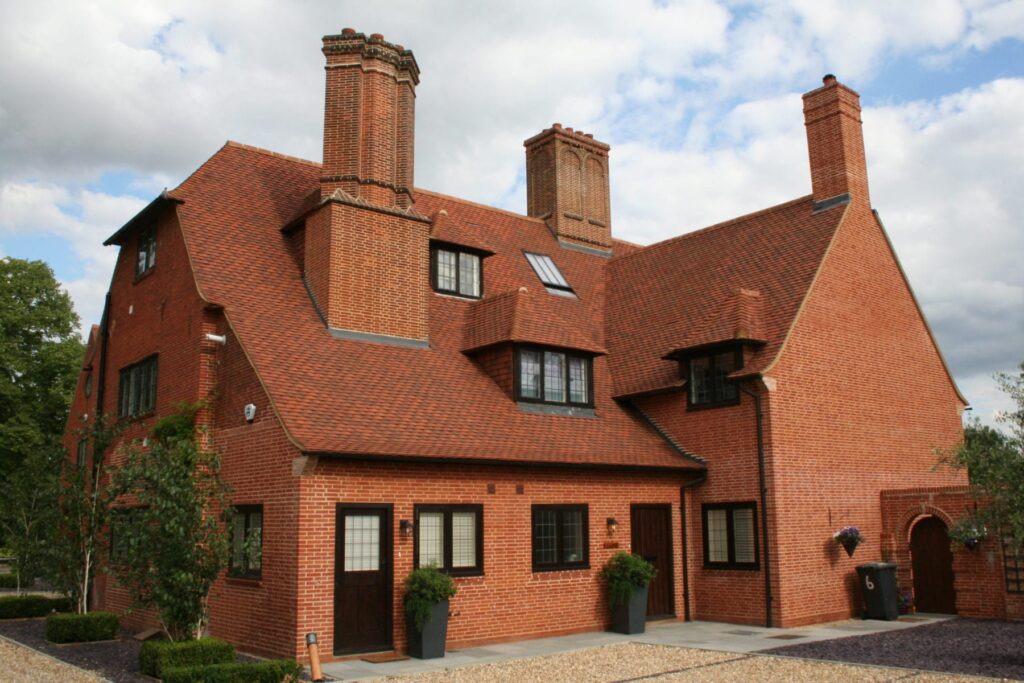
pixel 103 104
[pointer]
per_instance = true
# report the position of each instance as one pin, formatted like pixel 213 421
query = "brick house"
pixel 402 377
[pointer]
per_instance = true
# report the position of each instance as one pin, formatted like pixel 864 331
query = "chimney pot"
pixel 829 79
pixel 347 31
pixel 556 126
pixel 377 36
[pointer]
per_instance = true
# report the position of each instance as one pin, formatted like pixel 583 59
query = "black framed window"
pixel 137 394
pixel 146 255
pixel 456 271
pixel 247 542
pixel 1013 566
pixel 450 537
pixel 709 378
pixel 87 387
pixel 549 274
pixel 730 536
pixel 121 519
pixel 560 537
pixel 552 376
pixel 81 453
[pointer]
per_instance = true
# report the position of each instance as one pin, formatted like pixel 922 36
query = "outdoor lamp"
pixel 406 527
pixel 613 524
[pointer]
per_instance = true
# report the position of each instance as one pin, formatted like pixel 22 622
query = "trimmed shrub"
pixel 624 573
pixel 9 580
pixel 424 588
pixel 26 606
pixel 274 671
pixel 158 656
pixel 81 628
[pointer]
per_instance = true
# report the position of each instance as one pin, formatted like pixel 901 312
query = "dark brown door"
pixel 362 580
pixel 652 540
pixel 932 562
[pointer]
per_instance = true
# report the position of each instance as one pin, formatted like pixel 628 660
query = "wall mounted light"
pixel 613 524
pixel 406 527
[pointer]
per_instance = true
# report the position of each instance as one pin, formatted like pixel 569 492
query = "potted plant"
pixel 968 532
pixel 426 611
pixel 628 576
pixel 849 537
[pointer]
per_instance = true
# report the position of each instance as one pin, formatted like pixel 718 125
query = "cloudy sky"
pixel 103 104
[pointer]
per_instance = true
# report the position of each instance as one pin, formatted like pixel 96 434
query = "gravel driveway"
pixel 19 664
pixel 969 646
pixel 118 660
pixel 636 663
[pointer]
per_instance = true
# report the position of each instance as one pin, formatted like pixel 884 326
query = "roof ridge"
pixel 271 153
pixel 478 204
pixel 715 226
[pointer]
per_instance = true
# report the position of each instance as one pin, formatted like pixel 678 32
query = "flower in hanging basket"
pixel 968 532
pixel 849 537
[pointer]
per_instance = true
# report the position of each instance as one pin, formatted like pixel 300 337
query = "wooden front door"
pixel 932 564
pixel 652 540
pixel 362 579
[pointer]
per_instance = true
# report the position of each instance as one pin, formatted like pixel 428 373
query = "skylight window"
pixel 549 274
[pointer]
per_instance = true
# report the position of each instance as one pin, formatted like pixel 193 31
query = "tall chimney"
pixel 367 251
pixel 567 184
pixel 369 119
pixel 835 142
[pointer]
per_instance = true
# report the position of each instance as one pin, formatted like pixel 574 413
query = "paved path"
pixel 701 635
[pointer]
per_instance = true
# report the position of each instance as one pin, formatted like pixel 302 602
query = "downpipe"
pixel 763 485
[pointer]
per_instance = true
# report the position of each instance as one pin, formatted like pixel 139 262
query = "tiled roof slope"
pixel 349 397
pixel 670 294
pixel 528 316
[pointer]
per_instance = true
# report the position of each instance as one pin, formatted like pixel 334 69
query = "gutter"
pixel 763 486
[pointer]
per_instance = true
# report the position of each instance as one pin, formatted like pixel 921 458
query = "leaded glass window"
pixel 560 537
pixel 450 537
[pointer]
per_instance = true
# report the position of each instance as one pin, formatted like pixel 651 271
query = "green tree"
pixel 83 506
pixel 27 513
pixel 175 542
pixel 40 355
pixel 995 465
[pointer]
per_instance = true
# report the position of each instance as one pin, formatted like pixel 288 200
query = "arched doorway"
pixel 932 563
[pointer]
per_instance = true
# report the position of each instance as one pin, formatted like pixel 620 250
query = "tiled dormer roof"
pixel 349 397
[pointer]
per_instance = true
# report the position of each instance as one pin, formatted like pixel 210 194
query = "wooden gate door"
pixel 652 540
pixel 362 579
pixel 932 563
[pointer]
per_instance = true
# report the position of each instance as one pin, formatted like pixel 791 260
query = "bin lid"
pixel 876 565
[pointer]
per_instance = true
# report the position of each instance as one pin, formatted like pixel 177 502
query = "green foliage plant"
pixel 273 671
pixel 424 588
pixel 30 606
pixel 81 628
pixel 9 580
pixel 28 513
pixel 176 541
pixel 625 573
pixel 159 656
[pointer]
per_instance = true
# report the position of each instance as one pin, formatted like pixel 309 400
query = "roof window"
pixel 549 274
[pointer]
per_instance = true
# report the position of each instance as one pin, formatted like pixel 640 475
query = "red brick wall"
pixel 979 578
pixel 510 601
pixel 861 401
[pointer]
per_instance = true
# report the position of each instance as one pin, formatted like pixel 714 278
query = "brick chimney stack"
pixel 367 250
pixel 567 184
pixel 835 142
pixel 369 119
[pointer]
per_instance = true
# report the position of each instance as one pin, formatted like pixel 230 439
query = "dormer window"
pixel 553 376
pixel 709 378
pixel 146 257
pixel 456 272
pixel 549 274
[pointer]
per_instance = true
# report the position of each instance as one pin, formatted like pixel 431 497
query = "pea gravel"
pixel 636 663
pixel 19 664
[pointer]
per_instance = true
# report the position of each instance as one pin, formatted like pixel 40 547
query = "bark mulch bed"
pixel 965 646
pixel 116 660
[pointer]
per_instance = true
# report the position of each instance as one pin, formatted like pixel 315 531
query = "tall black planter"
pixel 429 643
pixel 632 617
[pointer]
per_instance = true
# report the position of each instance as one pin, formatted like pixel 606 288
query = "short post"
pixel 315 672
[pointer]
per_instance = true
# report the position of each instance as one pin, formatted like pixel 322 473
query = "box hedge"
pixel 158 656
pixel 9 580
pixel 81 628
pixel 274 671
pixel 26 606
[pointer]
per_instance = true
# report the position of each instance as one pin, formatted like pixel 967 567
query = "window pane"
pixel 151 250
pixel 578 380
pixel 151 399
pixel 140 266
pixel 544 530
pixel 718 540
pixel 700 380
pixel 554 377
pixel 725 363
pixel 431 539
pixel 362 543
pixel 529 374
pixel 446 270
pixel 469 274
pixel 254 541
pixel 546 270
pixel 463 539
pixel 238 543
pixel 743 535
pixel 572 536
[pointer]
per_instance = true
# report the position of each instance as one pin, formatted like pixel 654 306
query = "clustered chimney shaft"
pixel 835 142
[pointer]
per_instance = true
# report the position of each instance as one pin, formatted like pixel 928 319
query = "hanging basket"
pixel 972 543
pixel 849 546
